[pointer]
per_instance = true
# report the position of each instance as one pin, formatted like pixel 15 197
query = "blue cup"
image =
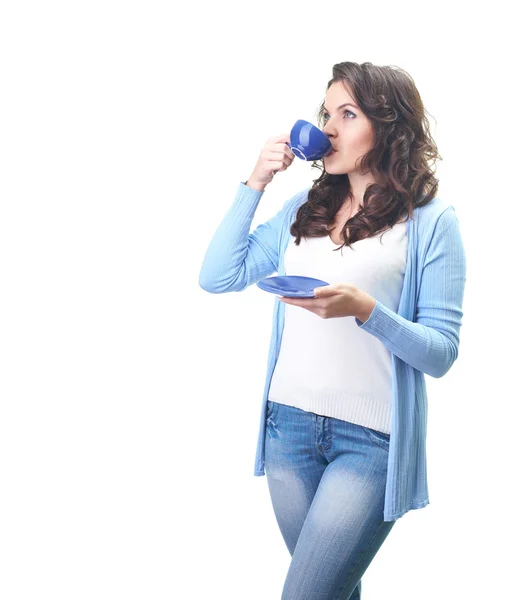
pixel 308 142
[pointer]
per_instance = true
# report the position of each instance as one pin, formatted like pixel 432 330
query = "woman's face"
pixel 349 131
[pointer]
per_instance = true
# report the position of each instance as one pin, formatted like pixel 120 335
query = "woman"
pixel 343 424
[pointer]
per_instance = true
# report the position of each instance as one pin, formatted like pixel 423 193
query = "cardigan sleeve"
pixel 431 343
pixel 235 258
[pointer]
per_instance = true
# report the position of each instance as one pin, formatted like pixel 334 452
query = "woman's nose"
pixel 327 130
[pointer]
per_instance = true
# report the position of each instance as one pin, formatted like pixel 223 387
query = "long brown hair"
pixel 399 160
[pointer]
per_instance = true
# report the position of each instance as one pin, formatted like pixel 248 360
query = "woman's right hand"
pixel 274 156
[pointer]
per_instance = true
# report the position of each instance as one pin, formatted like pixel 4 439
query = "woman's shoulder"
pixel 431 211
pixel 293 203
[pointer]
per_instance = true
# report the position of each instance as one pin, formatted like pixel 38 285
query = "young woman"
pixel 343 423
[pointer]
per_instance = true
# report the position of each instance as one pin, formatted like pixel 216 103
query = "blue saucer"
pixel 294 286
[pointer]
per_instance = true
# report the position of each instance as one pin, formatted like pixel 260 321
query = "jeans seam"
pixel 385 446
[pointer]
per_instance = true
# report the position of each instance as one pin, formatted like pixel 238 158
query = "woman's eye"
pixel 326 116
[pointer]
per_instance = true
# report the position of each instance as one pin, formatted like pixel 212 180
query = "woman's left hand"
pixel 336 300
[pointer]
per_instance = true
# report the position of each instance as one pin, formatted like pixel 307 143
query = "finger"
pixel 281 155
pixel 287 151
pixel 283 137
pixel 275 165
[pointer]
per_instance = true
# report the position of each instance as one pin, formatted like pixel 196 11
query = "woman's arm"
pixel 236 258
pixel 430 344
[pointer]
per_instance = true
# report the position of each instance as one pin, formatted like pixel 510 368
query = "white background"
pixel 130 397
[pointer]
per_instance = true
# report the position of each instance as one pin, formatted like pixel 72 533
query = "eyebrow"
pixel 342 105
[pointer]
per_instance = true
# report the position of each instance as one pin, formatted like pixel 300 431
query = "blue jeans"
pixel 326 480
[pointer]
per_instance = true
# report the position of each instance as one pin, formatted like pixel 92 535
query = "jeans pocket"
pixel 271 409
pixel 379 438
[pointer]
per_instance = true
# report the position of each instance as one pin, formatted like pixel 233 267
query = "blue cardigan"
pixel 422 338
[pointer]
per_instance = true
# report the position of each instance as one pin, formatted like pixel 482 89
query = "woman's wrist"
pixel 367 304
pixel 260 187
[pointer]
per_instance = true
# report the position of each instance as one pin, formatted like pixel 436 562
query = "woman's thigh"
pixel 341 528
pixel 293 466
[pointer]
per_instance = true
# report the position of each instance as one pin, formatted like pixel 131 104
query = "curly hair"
pixel 399 159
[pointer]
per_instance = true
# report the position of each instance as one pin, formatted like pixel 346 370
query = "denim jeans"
pixel 326 480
